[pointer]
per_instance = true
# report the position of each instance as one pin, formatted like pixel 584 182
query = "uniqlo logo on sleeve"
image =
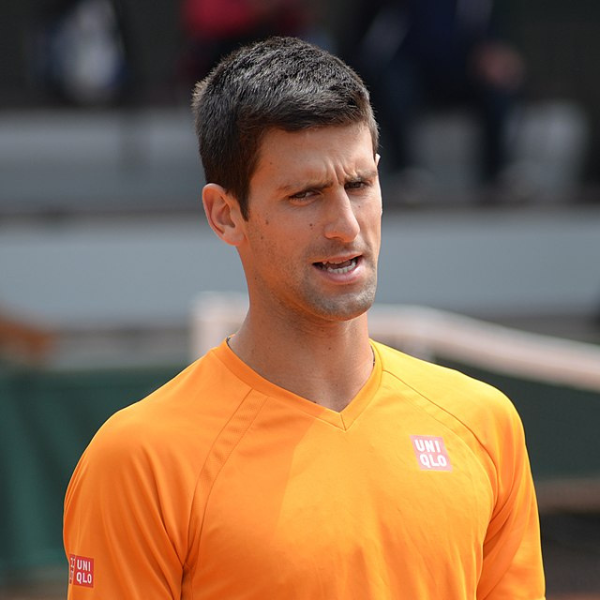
pixel 81 571
pixel 431 453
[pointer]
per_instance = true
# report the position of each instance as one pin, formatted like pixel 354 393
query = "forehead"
pixel 315 148
pixel 276 134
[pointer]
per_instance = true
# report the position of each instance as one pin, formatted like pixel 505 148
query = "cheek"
pixel 371 213
pixel 276 236
pixel 271 245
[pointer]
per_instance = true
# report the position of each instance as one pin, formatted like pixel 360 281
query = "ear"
pixel 223 214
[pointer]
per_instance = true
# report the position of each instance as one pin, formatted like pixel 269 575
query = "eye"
pixel 357 184
pixel 303 196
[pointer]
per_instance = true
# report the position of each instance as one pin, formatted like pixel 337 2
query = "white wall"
pixel 143 271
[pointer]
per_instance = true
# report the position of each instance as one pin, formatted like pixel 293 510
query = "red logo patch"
pixel 81 571
pixel 431 453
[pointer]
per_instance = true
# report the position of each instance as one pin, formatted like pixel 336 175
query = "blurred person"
pixel 299 458
pixel 81 57
pixel 422 54
pixel 214 28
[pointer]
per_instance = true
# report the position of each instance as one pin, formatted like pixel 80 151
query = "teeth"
pixel 341 270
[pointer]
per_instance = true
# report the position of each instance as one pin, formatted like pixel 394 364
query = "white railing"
pixel 427 333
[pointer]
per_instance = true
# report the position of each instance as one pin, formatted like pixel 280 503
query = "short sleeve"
pixel 118 528
pixel 512 559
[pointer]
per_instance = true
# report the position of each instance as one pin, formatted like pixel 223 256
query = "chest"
pixel 323 512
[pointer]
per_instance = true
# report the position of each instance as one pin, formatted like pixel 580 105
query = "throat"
pixel 332 385
pixel 327 366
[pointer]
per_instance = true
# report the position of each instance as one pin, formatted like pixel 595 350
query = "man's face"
pixel 313 232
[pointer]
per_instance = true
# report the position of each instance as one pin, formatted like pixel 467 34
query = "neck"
pixel 327 363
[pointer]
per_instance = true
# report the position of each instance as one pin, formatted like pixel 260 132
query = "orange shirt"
pixel 221 485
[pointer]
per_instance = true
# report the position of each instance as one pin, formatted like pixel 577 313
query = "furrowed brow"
pixel 294 188
pixel 363 176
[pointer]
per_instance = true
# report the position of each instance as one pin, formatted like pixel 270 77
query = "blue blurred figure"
pixel 437 53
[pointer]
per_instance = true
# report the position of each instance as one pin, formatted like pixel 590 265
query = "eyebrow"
pixel 286 188
pixel 304 184
pixel 363 176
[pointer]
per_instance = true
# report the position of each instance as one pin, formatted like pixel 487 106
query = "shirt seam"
pixel 450 414
pixel 250 420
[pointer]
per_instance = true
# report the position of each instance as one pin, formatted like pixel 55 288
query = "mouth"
pixel 340 267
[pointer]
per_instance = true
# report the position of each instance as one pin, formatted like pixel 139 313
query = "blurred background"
pixel 490 117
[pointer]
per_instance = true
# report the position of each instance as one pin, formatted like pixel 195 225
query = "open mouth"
pixel 339 268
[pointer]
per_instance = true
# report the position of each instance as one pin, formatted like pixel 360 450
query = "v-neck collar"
pixel 342 419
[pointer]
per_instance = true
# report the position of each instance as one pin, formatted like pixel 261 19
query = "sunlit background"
pixel 105 254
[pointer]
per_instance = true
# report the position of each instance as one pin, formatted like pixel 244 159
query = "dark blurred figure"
pixel 214 28
pixel 418 54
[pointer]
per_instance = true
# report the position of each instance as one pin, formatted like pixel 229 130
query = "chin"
pixel 344 308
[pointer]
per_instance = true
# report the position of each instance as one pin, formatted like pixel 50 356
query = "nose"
pixel 342 222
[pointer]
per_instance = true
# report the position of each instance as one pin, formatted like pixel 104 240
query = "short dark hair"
pixel 280 83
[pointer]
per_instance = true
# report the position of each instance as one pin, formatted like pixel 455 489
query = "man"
pixel 299 459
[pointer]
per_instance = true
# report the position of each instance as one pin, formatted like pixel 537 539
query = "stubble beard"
pixel 343 306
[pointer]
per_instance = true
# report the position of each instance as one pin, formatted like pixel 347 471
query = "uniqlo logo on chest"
pixel 81 571
pixel 431 453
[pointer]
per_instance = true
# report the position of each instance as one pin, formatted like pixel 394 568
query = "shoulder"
pixel 455 398
pixel 172 429
pixel 151 455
